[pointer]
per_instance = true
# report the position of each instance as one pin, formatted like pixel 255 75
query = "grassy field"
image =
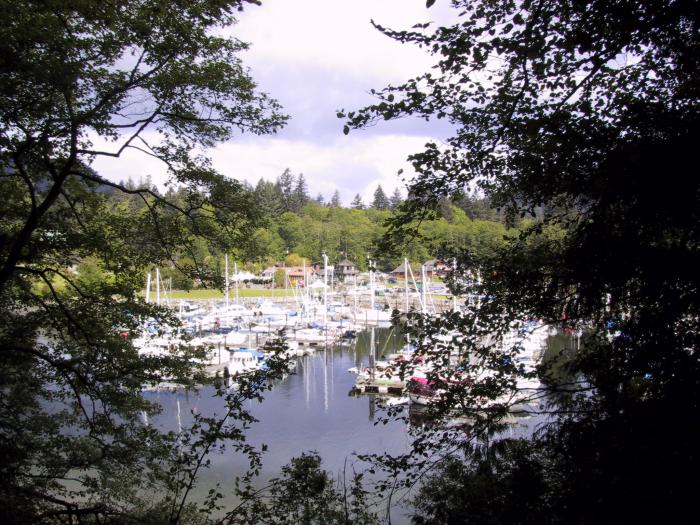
pixel 218 294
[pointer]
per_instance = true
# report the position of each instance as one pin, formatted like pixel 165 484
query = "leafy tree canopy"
pixel 305 494
pixel 587 111
pixel 81 80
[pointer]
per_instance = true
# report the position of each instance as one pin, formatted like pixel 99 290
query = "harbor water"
pixel 312 409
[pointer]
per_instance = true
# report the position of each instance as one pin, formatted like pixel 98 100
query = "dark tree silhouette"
pixel 79 81
pixel 586 115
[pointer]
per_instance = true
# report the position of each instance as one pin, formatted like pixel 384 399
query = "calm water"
pixel 311 409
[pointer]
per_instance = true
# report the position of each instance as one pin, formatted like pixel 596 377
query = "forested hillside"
pixel 291 225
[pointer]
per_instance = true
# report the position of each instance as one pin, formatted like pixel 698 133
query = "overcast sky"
pixel 315 57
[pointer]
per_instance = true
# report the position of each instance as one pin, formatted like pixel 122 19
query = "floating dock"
pixel 380 386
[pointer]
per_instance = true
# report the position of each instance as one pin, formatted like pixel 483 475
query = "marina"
pixel 317 407
pixel 319 313
pixel 349 368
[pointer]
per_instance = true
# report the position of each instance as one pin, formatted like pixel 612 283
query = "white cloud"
pixel 317 56
pixel 353 164
pixel 350 164
pixel 335 34
pixel 131 164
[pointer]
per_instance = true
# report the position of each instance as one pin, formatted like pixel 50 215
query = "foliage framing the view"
pixel 588 110
pixel 81 80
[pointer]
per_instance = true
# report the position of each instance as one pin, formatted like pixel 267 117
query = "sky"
pixel 316 57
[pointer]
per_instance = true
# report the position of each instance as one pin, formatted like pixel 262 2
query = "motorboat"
pixel 244 361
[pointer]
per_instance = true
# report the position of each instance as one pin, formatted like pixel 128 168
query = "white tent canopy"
pixel 242 276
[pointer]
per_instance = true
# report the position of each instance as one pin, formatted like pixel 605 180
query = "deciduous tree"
pixel 82 80
pixel 592 110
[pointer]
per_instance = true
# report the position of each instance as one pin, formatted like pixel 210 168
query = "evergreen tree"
pixel 285 186
pixel 380 201
pixel 395 199
pixel 300 195
pixel 320 200
pixel 357 203
pixel 268 198
pixel 476 206
pixel 335 200
pixel 444 209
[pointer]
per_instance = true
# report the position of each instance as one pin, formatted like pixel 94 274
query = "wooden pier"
pixel 380 386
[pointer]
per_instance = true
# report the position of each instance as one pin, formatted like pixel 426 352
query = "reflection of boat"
pixel 420 416
pixel 396 401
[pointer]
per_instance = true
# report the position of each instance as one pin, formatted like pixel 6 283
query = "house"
pixel 400 271
pixel 268 273
pixel 345 269
pixel 295 274
pixel 433 268
pixel 437 268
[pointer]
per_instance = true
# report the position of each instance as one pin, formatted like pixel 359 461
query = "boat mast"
pixel 226 279
pixel 148 287
pixel 284 266
pixel 354 308
pixel 405 280
pixel 371 284
pixel 372 354
pixel 325 288
pixel 454 278
pixel 423 289
pixel 305 302
pixel 158 286
pixel 235 272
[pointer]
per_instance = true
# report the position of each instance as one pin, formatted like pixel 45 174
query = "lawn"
pixel 218 294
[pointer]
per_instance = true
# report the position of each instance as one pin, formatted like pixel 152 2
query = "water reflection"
pixel 311 409
pixel 308 410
